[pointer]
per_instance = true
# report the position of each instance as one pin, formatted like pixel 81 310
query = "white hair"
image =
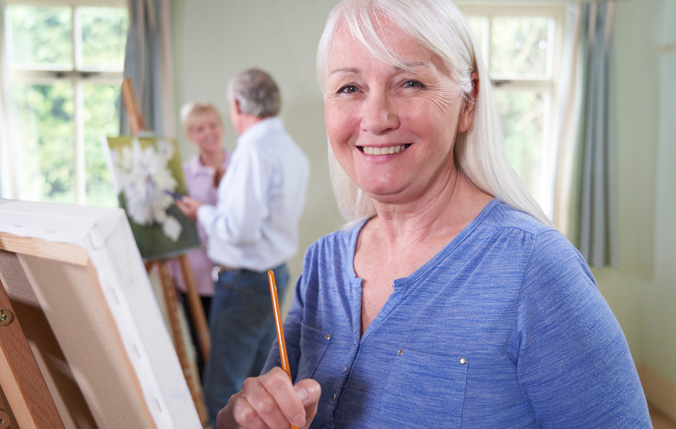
pixel 439 26
pixel 256 92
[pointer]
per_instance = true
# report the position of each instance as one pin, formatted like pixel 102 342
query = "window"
pixel 522 48
pixel 66 60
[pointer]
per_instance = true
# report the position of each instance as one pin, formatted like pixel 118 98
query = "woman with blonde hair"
pixel 203 127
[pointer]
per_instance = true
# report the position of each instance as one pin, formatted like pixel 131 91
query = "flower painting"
pixel 146 172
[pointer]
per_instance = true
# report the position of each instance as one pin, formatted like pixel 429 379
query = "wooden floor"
pixel 660 421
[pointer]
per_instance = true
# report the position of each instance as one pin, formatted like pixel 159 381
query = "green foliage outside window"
pixel 41 36
pixel 519 46
pixel 45 135
pixel 104 34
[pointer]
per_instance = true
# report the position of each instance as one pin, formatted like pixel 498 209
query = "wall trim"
pixel 659 391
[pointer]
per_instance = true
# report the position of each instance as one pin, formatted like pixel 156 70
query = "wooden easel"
pixel 136 121
pixel 192 376
pixel 20 376
pixel 137 125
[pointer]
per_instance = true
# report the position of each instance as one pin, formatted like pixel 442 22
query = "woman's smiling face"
pixel 206 131
pixel 392 129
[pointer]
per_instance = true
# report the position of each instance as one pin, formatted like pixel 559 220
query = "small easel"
pixel 137 125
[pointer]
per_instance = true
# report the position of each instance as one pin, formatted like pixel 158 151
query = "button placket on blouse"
pixel 343 377
pixel 344 373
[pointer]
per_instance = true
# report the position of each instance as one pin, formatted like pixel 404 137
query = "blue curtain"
pixel 149 65
pixel 598 193
pixel 586 188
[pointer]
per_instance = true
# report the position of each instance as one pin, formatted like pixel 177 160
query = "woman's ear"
pixel 467 114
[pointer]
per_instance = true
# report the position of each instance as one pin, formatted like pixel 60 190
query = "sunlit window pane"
pixel 45 133
pixel 520 45
pixel 523 120
pixel 101 119
pixel 479 27
pixel 103 37
pixel 41 37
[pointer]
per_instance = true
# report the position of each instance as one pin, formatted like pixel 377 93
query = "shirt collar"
pixel 265 126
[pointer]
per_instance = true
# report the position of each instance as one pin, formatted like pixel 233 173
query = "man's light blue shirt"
pixel 260 200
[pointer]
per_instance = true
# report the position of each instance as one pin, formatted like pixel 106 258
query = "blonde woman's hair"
pixel 439 26
pixel 194 110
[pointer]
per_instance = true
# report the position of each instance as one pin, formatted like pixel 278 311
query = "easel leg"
pixel 20 376
pixel 189 371
pixel 196 310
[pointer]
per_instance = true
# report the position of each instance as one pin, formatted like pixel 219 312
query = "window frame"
pixel 548 85
pixel 77 76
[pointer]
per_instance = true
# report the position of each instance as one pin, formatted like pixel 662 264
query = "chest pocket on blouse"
pixel 424 391
pixel 313 344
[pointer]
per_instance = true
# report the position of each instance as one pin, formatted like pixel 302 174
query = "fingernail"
pixel 302 394
pixel 299 420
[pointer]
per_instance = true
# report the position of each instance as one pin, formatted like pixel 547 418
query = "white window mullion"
pixel 78 113
pixel 549 149
pixel 511 82
pixel 547 171
pixel 80 176
pixel 77 39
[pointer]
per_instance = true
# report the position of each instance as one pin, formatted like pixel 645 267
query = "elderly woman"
pixel 449 301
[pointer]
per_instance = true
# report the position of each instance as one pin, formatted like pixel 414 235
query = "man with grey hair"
pixel 253 228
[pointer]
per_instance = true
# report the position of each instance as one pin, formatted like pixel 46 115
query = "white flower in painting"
pixel 172 228
pixel 144 177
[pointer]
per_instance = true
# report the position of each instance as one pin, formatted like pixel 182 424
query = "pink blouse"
pixel 199 180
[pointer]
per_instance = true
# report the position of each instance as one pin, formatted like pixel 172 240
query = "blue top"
pixel 504 328
pixel 261 198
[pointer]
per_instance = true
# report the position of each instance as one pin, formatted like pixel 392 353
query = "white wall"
pixel 637 87
pixel 660 351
